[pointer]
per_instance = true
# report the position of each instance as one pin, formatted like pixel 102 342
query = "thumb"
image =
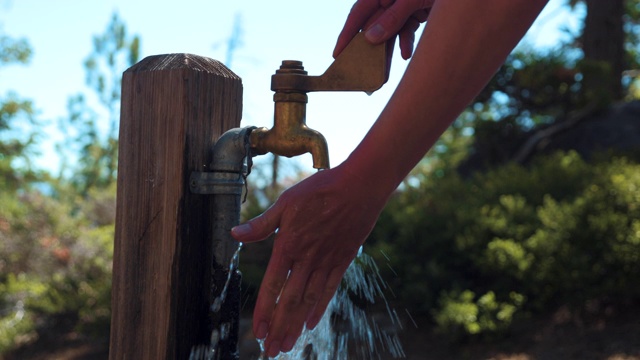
pixel 258 228
pixel 389 23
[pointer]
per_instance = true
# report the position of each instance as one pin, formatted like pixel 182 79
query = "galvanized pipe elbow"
pixel 231 161
pixel 230 151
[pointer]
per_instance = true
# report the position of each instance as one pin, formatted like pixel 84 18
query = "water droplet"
pixel 217 304
pixel 215 338
pixel 224 330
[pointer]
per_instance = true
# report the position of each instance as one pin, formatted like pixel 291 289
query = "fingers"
pixel 304 299
pixel 316 243
pixel 299 297
pixel 361 11
pixel 407 37
pixel 274 280
pixel 328 290
pixel 260 227
pixel 393 19
pixel 422 15
pixel 407 33
pixel 382 20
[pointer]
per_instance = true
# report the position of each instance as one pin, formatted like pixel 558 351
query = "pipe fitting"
pixel 231 163
pixel 230 151
pixel 290 135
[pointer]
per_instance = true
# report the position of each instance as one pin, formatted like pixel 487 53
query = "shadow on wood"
pixel 174 107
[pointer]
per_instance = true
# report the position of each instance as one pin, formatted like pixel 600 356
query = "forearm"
pixel 321 222
pixel 462 46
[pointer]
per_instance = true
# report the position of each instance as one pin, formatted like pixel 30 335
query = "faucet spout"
pixel 360 67
pixel 290 135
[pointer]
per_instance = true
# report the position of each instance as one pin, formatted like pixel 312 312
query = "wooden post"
pixel 174 107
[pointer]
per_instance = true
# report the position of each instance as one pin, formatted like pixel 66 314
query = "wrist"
pixel 369 180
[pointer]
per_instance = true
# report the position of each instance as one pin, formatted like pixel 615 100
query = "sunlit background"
pixel 516 238
pixel 250 37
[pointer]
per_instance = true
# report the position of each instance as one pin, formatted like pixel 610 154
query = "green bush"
pixel 16 323
pixel 461 314
pixel 55 264
pixel 559 232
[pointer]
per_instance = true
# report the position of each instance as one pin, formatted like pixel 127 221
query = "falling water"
pixel 208 351
pixel 346 331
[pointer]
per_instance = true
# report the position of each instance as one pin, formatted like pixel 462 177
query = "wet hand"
pixel 382 20
pixel 320 224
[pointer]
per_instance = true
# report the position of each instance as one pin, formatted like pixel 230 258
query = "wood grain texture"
pixel 173 109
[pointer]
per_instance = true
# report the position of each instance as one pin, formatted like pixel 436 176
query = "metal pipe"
pixel 229 167
pixel 225 181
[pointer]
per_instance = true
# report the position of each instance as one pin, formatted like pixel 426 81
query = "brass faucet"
pixel 360 67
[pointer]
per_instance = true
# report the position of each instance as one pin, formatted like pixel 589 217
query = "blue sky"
pixel 60 32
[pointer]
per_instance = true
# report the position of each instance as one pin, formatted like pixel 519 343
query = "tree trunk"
pixel 603 45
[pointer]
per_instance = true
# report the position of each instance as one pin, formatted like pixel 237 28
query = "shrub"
pixel 55 263
pixel 560 231
pixel 462 313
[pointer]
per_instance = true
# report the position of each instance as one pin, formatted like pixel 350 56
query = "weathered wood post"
pixel 174 107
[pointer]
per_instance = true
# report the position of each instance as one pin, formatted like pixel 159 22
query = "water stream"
pixel 347 330
pixel 209 351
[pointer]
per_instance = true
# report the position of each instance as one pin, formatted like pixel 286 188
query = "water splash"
pixel 347 331
pixel 209 351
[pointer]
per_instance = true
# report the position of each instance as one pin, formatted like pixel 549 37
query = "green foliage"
pixel 113 52
pixel 629 53
pixel 632 33
pixel 15 324
pixel 16 142
pixel 56 245
pixel 16 145
pixel 531 87
pixel 561 231
pixel 96 164
pixel 89 145
pixel 462 313
pixel 55 262
pixel 536 89
pixel 13 50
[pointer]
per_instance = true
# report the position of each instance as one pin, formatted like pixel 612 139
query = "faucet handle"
pixel 359 67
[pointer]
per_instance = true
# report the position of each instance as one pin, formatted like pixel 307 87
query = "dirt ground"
pixel 612 334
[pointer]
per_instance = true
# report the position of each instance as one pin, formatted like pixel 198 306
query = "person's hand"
pixel 320 224
pixel 382 20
